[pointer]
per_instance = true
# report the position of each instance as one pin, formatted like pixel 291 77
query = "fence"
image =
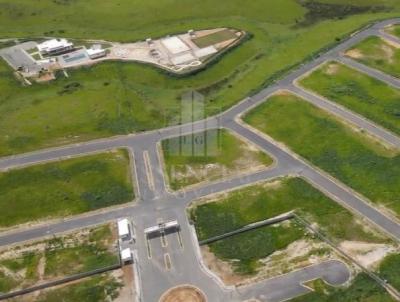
pixel 248 227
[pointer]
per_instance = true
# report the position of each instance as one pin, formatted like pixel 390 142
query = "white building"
pixel 95 53
pixel 175 45
pixel 55 46
pixel 124 229
pixel 126 256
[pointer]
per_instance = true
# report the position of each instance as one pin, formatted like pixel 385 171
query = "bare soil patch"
pixel 332 69
pixel 354 53
pixel 221 268
pixel 183 294
pixel 368 254
pixel 127 292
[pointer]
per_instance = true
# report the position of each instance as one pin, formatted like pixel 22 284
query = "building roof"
pixel 203 52
pixel 126 254
pixel 175 45
pixel 49 45
pixel 93 52
pixel 123 227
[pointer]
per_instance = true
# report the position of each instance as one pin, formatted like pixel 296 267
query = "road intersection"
pixel 156 202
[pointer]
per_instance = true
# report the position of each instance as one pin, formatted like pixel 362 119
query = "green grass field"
pixel 65 188
pixel 394 30
pixel 188 158
pixel 116 98
pixel 372 98
pixel 214 38
pixel 101 288
pixel 48 260
pixel 362 289
pixel 259 202
pixel 349 156
pixel 248 248
pixel 377 53
pixel 389 270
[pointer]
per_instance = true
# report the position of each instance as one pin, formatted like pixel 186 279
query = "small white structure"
pixel 95 53
pixel 149 41
pixel 124 229
pixel 191 33
pixel 54 46
pixel 126 256
pixel 175 45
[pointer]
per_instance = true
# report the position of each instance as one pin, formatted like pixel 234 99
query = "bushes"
pixel 318 11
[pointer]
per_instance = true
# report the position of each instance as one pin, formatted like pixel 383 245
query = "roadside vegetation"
pixel 377 53
pixel 56 258
pixel 223 213
pixel 209 155
pixel 394 30
pixel 365 95
pixel 362 288
pixel 101 288
pixel 349 156
pixel 118 98
pixel 65 188
pixel 389 270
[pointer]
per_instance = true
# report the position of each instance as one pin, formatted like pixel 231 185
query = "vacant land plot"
pixel 372 98
pixel 28 265
pixel 215 38
pixel 363 288
pixel 117 98
pixel 209 155
pixel 347 155
pixel 246 249
pixel 379 54
pixel 65 188
pixel 286 245
pixel 260 202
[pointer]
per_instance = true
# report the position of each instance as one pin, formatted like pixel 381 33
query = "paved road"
pixel 340 111
pixel 332 272
pixel 155 202
pixel 374 73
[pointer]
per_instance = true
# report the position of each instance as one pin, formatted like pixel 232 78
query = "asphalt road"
pixel 155 202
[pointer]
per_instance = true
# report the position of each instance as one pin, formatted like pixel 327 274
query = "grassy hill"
pixel 116 98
